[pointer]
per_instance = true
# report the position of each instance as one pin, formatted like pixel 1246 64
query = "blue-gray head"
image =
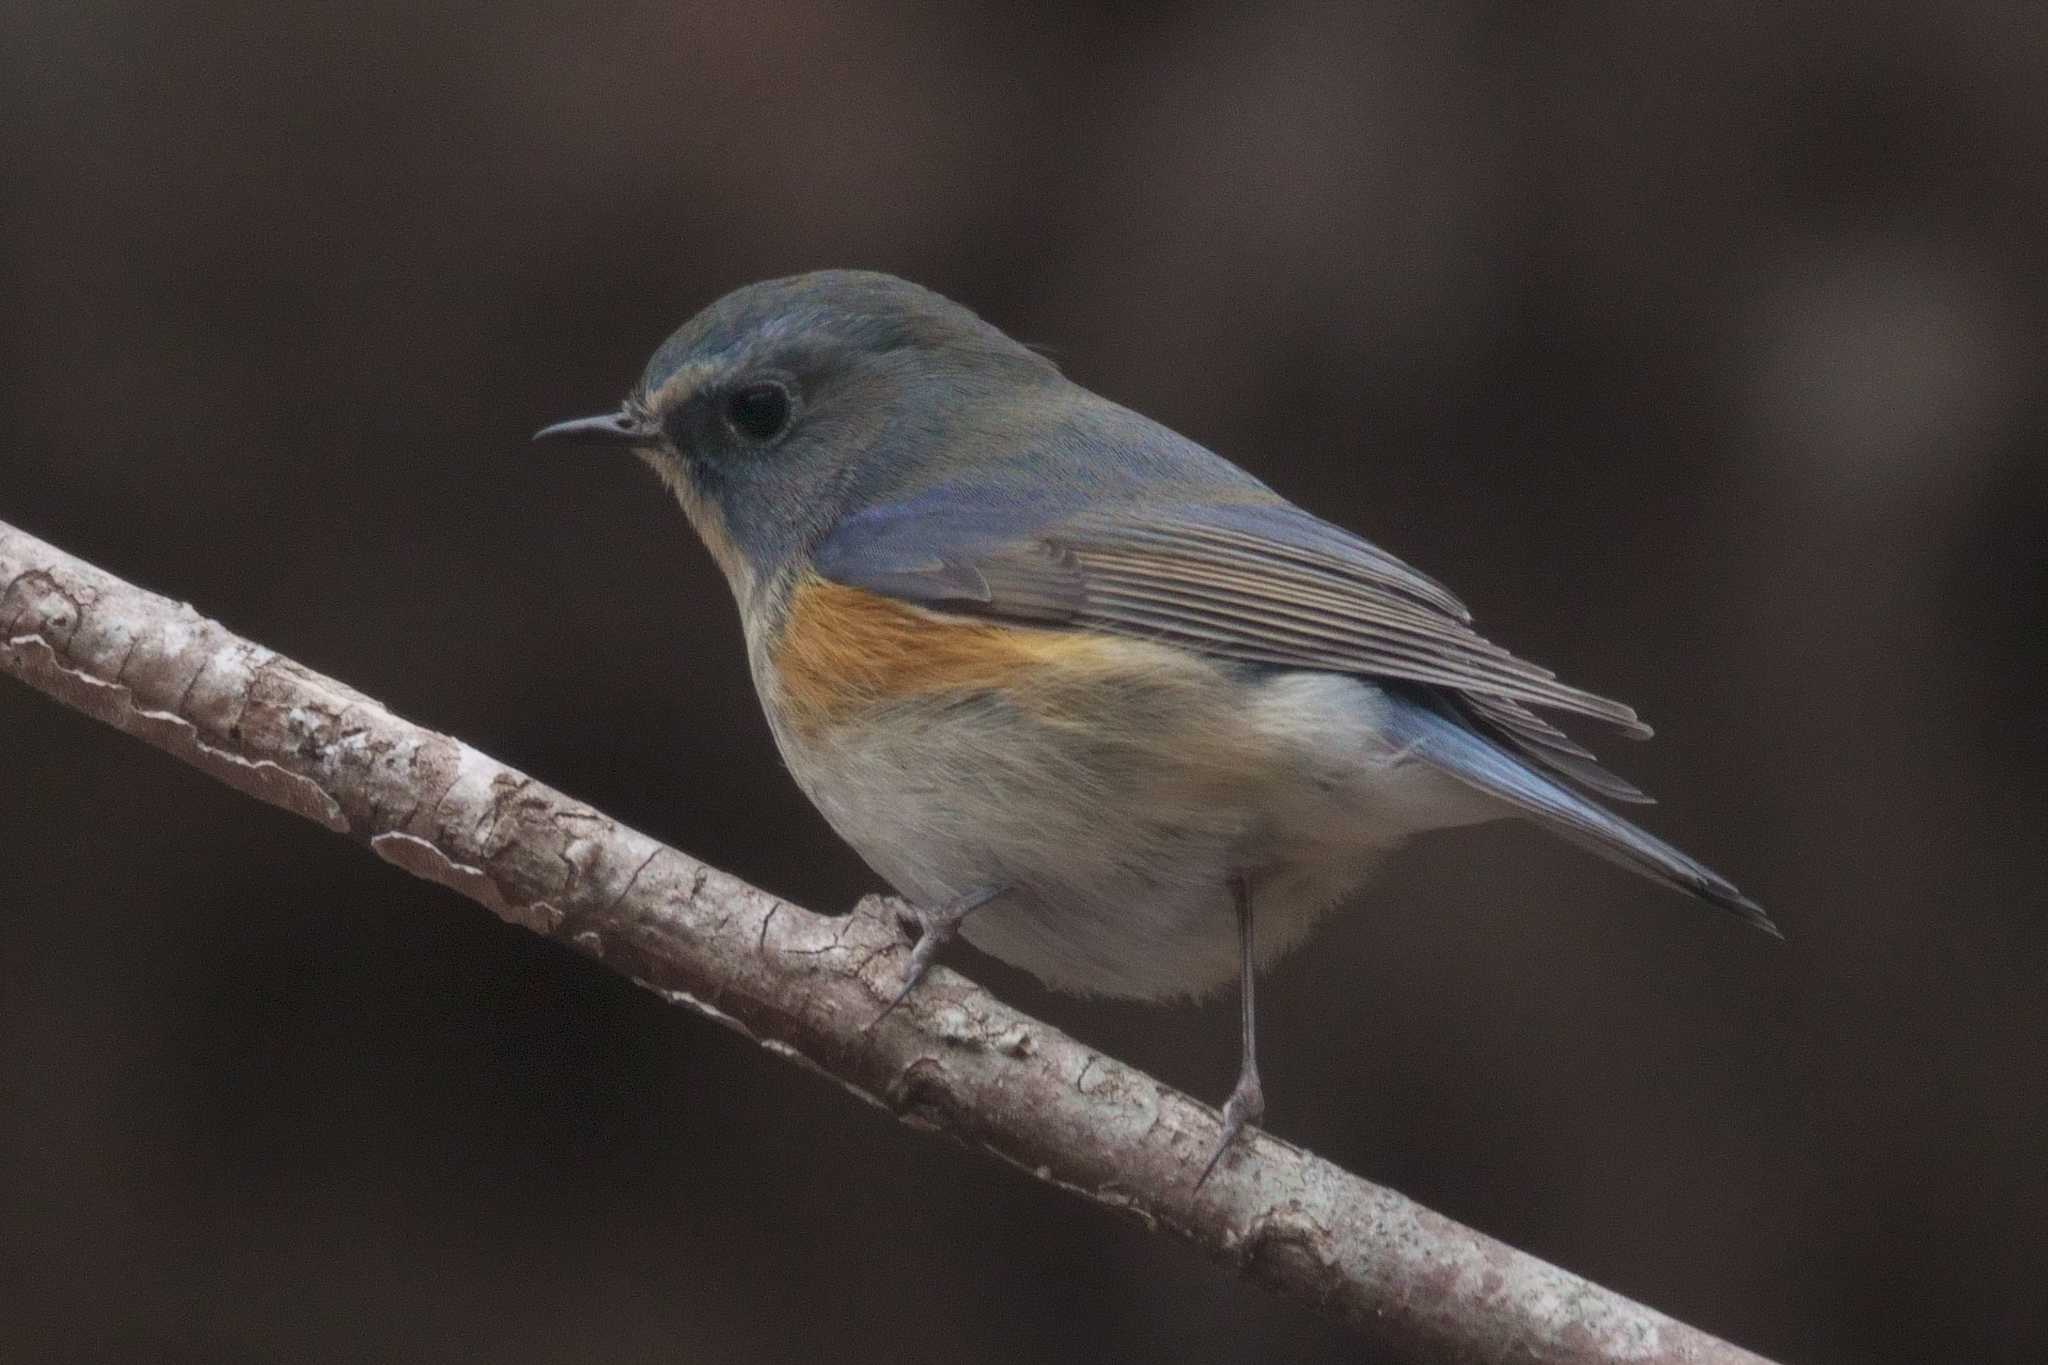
pixel 770 408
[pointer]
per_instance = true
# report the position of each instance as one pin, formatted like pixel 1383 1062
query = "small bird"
pixel 1077 688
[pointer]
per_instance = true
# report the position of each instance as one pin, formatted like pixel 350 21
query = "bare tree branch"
pixel 1419 1286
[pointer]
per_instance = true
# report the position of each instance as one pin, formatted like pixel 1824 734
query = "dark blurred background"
pixel 1699 347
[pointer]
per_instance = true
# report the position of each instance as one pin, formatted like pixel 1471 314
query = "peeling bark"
pixel 1416 1285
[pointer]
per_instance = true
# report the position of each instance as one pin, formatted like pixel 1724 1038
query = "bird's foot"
pixel 1242 1114
pixel 934 928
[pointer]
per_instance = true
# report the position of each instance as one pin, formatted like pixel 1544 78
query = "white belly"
pixel 1119 840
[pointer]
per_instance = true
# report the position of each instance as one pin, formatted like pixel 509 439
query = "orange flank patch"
pixel 843 650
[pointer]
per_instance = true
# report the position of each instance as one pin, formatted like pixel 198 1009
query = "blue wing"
pixel 1241 574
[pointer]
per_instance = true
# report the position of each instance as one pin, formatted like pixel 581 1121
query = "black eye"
pixel 758 412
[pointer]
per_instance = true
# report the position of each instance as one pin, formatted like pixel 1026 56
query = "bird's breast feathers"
pixel 1116 783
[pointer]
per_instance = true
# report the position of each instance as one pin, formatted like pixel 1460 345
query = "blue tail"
pixel 1431 732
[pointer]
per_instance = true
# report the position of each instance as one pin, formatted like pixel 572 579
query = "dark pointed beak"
pixel 611 429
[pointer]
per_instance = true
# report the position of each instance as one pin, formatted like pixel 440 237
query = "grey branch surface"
pixel 1418 1286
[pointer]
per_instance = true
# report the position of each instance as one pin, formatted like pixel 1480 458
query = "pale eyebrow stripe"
pixel 678 387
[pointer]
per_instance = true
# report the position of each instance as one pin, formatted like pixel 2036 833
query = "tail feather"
pixel 1433 733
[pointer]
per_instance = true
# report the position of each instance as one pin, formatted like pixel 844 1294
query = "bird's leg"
pixel 1247 1103
pixel 936 927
